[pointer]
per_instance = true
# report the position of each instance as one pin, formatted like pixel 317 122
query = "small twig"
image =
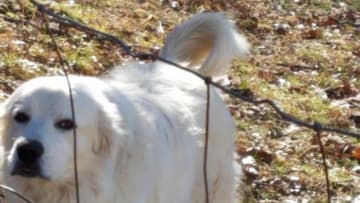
pixel 13 191
pixel 323 155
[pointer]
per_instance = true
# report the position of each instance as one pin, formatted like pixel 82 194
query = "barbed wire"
pixel 316 126
pixel 14 192
pixel 325 166
pixel 64 67
pixel 206 141
pixel 142 55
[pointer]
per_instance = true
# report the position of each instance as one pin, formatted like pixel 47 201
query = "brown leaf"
pixel 292 20
pixel 356 153
pixel 328 21
pixel 355 116
pixel 250 171
pixel 344 91
pixel 297 89
pixel 282 29
pixel 348 150
pixel 356 51
pixel 266 75
pixel 261 154
pixel 250 23
pixel 313 34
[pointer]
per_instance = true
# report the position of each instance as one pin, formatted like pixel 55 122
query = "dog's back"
pixel 206 43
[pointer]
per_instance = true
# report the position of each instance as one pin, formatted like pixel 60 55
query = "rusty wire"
pixel 317 127
pixel 142 55
pixel 64 68
pixel 14 192
pixel 325 166
pixel 206 141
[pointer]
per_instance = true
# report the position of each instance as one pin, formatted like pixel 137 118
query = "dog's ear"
pixel 109 130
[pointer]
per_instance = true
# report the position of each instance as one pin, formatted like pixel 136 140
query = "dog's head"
pixel 37 128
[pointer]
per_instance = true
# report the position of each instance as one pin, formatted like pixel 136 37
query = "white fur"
pixel 140 129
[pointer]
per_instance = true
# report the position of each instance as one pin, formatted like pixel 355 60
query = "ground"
pixel 305 56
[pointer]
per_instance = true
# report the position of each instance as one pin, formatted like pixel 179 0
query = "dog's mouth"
pixel 27 170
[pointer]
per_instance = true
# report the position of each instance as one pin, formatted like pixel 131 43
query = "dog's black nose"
pixel 29 151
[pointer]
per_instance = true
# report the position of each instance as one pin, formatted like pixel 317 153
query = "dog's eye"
pixel 65 124
pixel 21 117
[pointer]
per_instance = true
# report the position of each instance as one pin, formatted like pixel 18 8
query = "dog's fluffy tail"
pixel 207 42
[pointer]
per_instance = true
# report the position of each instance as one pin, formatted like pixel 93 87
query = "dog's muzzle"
pixel 29 153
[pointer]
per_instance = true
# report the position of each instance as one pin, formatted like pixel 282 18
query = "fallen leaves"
pixel 355 116
pixel 343 91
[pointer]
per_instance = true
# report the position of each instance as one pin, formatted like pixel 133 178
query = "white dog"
pixel 140 130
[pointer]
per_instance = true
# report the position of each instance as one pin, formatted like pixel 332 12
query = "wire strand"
pixel 107 37
pixel 141 55
pixel 206 141
pixel 13 191
pixel 325 166
pixel 64 67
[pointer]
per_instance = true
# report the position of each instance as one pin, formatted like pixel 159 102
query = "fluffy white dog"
pixel 140 129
